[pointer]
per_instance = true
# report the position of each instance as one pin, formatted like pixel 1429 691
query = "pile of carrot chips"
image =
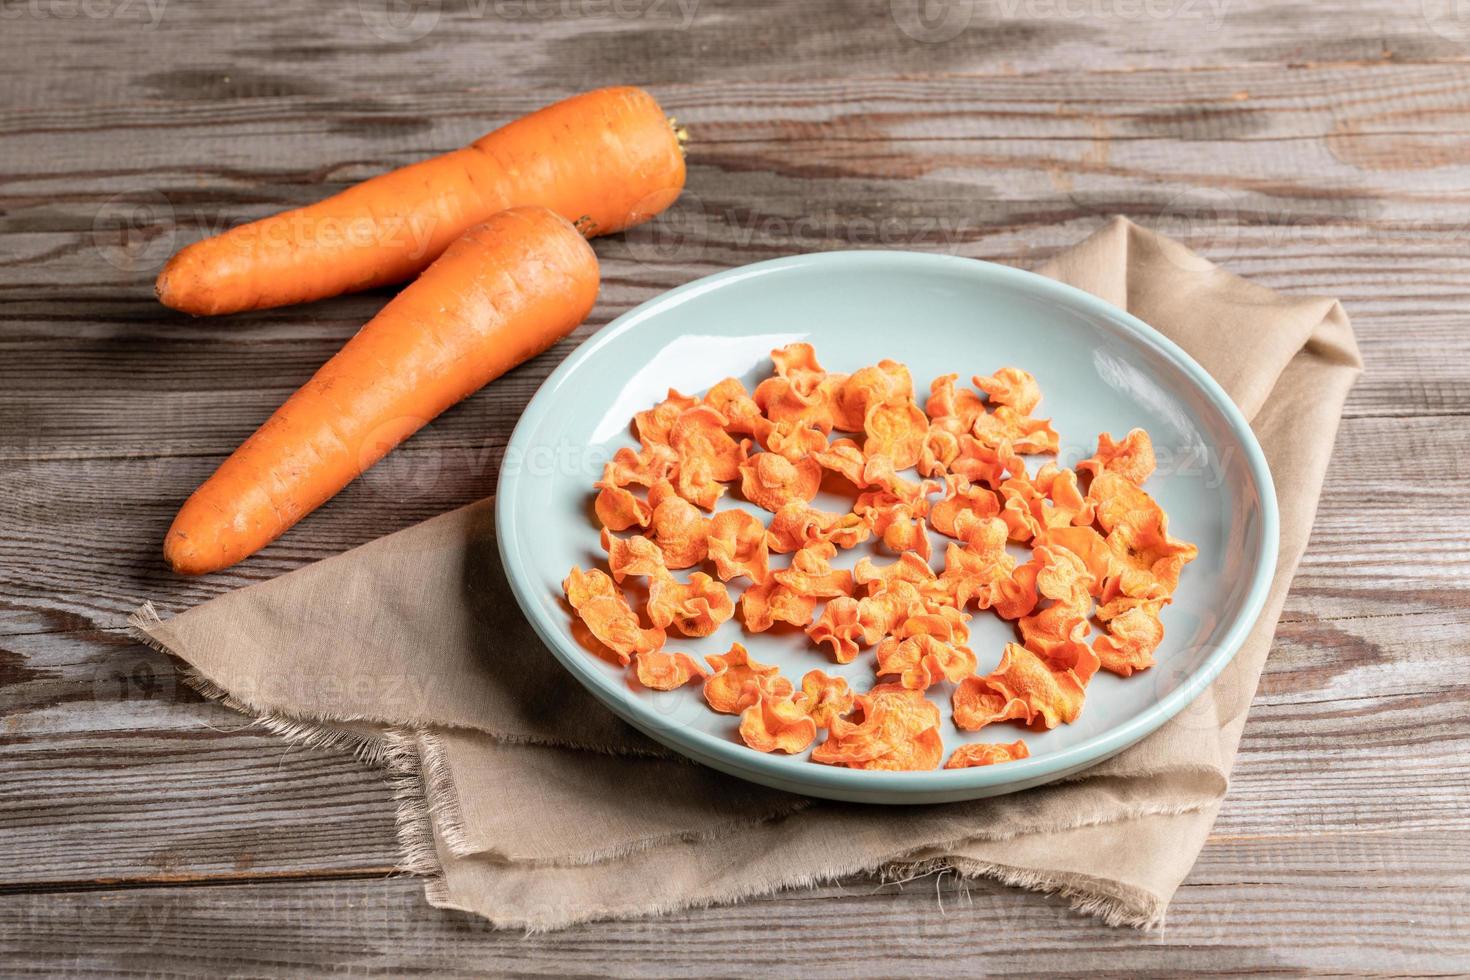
pixel 1101 566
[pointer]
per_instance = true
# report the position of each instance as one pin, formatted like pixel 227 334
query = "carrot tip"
pixel 182 556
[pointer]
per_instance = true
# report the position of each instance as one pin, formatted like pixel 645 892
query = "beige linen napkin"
pixel 526 802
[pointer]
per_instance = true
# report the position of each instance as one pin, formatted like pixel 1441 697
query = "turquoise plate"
pixel 1099 369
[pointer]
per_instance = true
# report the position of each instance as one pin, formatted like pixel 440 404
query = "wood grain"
pixel 129 52
pixel 1318 148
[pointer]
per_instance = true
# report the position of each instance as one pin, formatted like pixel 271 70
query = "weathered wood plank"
pixel 1402 897
pixel 128 52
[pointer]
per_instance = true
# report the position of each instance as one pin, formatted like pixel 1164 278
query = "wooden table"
pixel 1316 147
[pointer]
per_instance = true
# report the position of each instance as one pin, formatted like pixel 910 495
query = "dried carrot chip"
pixel 1007 427
pixel 962 406
pixel 979 571
pixel 841 628
pixel 940 449
pixel 763 604
pixel 895 729
pixel 887 382
pixel 789 606
pixel 986 754
pixel 737 681
pixel 738 546
pixel 923 660
pixel 908 568
pixel 652 465
pixel 654 424
pixel 986 465
pixel 619 510
pixel 634 555
pixel 770 480
pixel 801 392
pixel 878 472
pixel 608 616
pixel 960 496
pixel 1058 502
pixel 824 697
pixel 1013 387
pixel 885 611
pixel 695 482
pixel 895 430
pixel 1016 596
pixel 1134 632
pixel 679 529
pixel 1062 576
pixel 740 411
pixel 1148 547
pixel 798 363
pixel 905 534
pixel 695 608
pixel 708 455
pixel 776 724
pixel 788 439
pixel 798 524
pixel 811 573
pixel 581 587
pixel 661 670
pixel 1058 635
pixel 1022 688
pixel 1087 544
pixel 845 458
pixel 1132 459
pixel 700 432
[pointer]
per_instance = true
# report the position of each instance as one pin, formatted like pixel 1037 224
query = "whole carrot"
pixel 604 160
pixel 504 292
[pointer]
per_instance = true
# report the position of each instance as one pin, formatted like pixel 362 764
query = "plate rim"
pixel 835 782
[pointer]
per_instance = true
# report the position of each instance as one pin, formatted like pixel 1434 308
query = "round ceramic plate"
pixel 1099 368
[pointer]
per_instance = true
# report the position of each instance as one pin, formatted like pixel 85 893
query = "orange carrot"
pixel 503 293
pixel 604 160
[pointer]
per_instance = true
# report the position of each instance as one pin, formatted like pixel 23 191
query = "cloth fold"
pixel 524 801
